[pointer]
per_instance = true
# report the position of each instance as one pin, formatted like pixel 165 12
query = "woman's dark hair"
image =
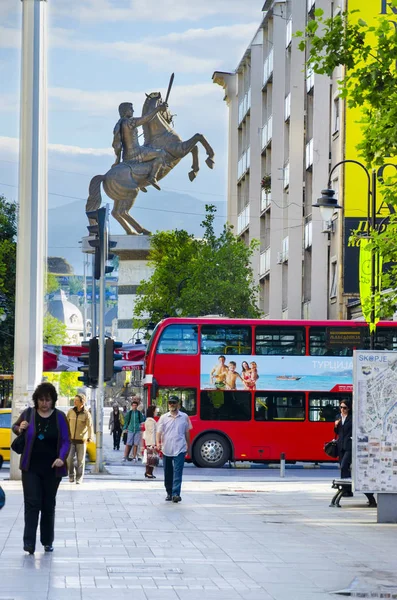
pixel 151 410
pixel 45 390
pixel 247 368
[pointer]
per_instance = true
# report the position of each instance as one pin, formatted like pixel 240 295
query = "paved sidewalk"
pixel 227 540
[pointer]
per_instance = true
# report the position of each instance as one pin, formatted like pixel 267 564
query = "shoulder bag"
pixel 18 445
pixel 331 448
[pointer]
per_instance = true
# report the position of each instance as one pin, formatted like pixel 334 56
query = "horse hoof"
pixel 143 189
pixel 210 163
pixel 192 175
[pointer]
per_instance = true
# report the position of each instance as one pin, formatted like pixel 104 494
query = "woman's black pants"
pixel 39 493
pixel 345 458
pixel 116 438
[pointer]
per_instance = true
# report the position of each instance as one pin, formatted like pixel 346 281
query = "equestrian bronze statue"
pixel 138 166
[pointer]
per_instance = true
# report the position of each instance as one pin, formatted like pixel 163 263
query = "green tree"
pixel 194 277
pixel 54 331
pixel 69 383
pixel 368 54
pixel 8 230
pixel 75 285
pixel 52 284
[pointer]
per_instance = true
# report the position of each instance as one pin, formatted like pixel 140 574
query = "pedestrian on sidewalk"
pixel 43 464
pixel 149 437
pixel 116 422
pixel 80 424
pixel 173 440
pixel 344 429
pixel 132 425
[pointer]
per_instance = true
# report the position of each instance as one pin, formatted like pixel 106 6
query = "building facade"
pixel 285 133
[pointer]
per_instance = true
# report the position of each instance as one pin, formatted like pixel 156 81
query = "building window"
pixel 333 283
pixel 279 406
pixel 336 120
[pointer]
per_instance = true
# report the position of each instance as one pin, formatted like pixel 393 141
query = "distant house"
pixel 69 314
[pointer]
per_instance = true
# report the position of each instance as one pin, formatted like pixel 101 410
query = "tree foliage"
pixel 368 55
pixel 52 284
pixel 54 331
pixel 8 230
pixel 195 277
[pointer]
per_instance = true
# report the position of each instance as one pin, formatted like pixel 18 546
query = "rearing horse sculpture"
pixel 123 181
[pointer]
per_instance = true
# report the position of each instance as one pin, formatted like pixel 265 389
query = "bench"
pixel 344 487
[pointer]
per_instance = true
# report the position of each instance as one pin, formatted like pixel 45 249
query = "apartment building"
pixel 285 132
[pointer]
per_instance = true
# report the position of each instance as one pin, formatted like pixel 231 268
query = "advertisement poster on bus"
pixel 300 373
pixel 375 421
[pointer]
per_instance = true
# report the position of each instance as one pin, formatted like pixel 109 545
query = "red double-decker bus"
pixel 256 388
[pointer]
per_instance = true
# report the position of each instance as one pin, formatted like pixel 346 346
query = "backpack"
pixel 2 498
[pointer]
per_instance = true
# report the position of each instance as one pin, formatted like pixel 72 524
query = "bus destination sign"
pixel 347 338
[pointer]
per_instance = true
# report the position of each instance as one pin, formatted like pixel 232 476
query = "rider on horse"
pixel 126 144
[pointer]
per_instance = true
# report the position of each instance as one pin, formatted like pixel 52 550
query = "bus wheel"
pixel 211 450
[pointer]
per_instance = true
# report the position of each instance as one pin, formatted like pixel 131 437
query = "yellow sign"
pixel 356 181
pixel 365 282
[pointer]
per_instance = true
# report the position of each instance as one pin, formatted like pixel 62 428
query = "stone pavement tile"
pixel 208 595
pixel 161 594
pixel 282 592
pixel 256 595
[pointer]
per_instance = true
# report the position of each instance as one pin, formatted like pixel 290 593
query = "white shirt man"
pixel 173 440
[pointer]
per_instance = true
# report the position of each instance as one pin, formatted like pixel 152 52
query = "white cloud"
pixel 153 10
pixel 231 32
pixel 100 102
pixel 11 147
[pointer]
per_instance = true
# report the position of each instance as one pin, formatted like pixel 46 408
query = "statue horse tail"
pixel 94 200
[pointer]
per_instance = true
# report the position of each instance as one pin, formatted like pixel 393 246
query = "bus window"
pixel 220 339
pixel 219 405
pixel 325 406
pixel 178 339
pixel 337 341
pixel 187 399
pixel 280 340
pixel 279 406
pixel 386 338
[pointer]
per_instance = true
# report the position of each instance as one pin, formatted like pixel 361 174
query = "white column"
pixel 32 225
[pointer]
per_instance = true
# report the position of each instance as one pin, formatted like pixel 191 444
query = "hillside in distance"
pixel 156 211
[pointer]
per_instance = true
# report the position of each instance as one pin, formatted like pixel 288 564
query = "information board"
pixel 375 421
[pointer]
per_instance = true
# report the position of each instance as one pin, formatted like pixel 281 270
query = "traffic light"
pixel 111 357
pixel 91 363
pixel 102 243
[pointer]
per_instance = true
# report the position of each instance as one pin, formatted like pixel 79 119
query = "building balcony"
pixel 264 262
pixel 268 67
pixel 243 219
pixel 287 107
pixel 309 154
pixel 244 106
pixel 244 163
pixel 266 199
pixel 267 132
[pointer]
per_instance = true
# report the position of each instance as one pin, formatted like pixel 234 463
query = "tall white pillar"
pixel 32 225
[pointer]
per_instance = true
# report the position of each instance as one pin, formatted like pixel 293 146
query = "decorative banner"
pixel 66 358
pixel 365 282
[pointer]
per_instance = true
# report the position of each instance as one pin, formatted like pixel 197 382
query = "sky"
pixel 103 52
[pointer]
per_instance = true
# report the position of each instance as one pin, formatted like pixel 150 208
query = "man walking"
pixel 80 425
pixel 132 425
pixel 173 440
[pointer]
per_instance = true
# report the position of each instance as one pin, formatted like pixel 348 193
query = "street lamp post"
pixel 328 204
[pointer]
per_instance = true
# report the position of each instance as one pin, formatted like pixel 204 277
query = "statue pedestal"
pixel 133 252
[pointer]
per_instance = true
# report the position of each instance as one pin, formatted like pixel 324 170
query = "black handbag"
pixel 331 448
pixel 124 438
pixel 18 445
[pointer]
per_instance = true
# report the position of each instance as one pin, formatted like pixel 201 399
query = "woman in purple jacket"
pixel 43 464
